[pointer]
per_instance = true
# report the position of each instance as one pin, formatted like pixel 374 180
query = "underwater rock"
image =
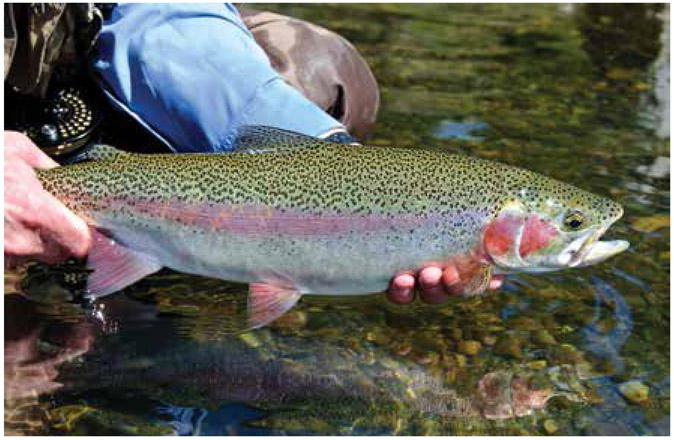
pixel 470 348
pixel 508 346
pixel 537 365
pixel 250 340
pixel 651 224
pixel 489 340
pixel 634 391
pixel 456 333
pixel 403 348
pixel 426 358
pixel 294 320
pixel 564 354
pixel 460 360
pixel 550 427
pixel 524 323
pixel 543 337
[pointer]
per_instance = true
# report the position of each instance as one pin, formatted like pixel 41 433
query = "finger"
pixel 401 290
pixel 429 277
pixel 496 282
pixel 450 276
pixel 28 151
pixel 36 158
pixel 20 240
pixel 452 281
pixel 62 226
pixel 430 283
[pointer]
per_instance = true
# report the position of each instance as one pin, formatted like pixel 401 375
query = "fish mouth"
pixel 601 250
pixel 588 250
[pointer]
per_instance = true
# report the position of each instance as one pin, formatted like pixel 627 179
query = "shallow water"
pixel 574 92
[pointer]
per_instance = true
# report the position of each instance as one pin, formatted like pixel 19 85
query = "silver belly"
pixel 348 263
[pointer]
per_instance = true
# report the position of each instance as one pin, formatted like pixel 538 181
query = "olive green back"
pixel 319 177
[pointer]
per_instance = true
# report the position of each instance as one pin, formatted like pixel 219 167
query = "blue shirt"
pixel 192 73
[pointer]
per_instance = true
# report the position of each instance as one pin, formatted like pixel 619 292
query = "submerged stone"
pixel 550 427
pixel 543 337
pixel 634 391
pixel 508 346
pixel 489 340
pixel 537 365
pixel 470 348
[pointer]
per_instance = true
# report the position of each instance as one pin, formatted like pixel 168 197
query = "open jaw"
pixel 588 250
pixel 601 250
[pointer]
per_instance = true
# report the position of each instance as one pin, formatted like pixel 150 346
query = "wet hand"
pixel 37 225
pixel 435 285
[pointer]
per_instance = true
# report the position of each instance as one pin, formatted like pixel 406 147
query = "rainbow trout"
pixel 293 215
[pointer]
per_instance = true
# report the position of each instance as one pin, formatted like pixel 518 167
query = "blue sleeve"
pixel 192 73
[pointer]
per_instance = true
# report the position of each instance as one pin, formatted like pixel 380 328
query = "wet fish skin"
pixel 304 216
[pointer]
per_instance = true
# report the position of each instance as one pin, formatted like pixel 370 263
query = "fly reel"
pixel 59 125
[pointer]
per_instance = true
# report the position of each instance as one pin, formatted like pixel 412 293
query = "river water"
pixel 575 92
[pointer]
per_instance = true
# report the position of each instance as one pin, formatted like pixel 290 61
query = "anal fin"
pixel 115 266
pixel 266 302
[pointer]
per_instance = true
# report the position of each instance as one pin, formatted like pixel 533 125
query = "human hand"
pixel 37 225
pixel 436 285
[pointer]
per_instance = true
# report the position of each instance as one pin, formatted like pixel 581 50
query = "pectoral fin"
pixel 266 302
pixel 115 266
pixel 479 282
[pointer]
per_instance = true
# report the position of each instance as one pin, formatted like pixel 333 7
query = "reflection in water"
pixel 284 379
pixel 598 341
pixel 297 380
pixel 231 419
pixel 460 130
pixel 662 95
pixel 659 169
pixel 34 351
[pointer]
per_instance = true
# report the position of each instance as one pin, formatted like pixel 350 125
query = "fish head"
pixel 546 225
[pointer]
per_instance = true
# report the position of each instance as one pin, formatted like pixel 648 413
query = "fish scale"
pixel 296 179
pixel 303 214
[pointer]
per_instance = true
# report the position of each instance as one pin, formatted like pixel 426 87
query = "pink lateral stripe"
pixel 257 219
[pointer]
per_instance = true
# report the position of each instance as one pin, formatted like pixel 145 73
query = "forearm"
pixel 193 73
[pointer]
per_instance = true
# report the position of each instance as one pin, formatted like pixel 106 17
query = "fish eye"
pixel 574 220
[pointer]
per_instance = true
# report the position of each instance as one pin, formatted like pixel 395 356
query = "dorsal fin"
pixel 263 139
pixel 96 152
pixel 105 152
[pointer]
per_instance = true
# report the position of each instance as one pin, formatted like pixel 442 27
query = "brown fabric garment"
pixel 321 64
